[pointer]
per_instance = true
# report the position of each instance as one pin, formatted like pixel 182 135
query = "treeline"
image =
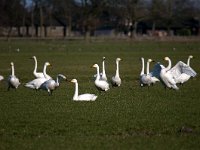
pixel 89 15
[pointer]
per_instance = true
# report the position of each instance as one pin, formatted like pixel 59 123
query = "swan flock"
pixel 169 76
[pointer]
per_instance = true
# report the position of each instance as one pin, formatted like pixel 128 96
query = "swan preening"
pixel 36 83
pixel 148 78
pixel 82 97
pixel 99 83
pixel 13 81
pixel 50 85
pixel 177 74
pixel 38 74
pixel 116 80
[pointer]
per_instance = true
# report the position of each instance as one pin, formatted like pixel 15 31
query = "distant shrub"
pixel 184 32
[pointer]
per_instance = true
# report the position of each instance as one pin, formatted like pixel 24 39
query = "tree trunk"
pixel 9 33
pixel 41 22
pixel 69 28
pixel 134 34
pixel 32 22
pixel 153 28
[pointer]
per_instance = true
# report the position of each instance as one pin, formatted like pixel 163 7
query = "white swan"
pixel 38 74
pixel 182 72
pixel 103 76
pixel 103 73
pixel 166 76
pixel 82 97
pixel 36 83
pixel 1 77
pixel 13 81
pixel 100 84
pixel 51 84
pixel 153 79
pixel 146 79
pixel 116 80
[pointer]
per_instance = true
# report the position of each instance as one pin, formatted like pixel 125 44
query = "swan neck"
pixel 169 64
pixel 98 76
pixel 57 80
pixel 188 61
pixel 103 67
pixel 12 70
pixel 148 67
pixel 76 91
pixel 117 69
pixel 35 69
pixel 142 71
pixel 44 71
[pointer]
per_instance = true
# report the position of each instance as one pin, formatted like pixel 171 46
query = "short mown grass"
pixel 128 117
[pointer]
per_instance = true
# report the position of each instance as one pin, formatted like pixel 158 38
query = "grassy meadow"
pixel 128 117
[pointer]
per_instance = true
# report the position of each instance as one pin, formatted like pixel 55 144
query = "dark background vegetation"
pixel 86 16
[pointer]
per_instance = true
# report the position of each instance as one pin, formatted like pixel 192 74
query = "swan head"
pixel 190 56
pixel 47 64
pixel 118 59
pixel 150 60
pixel 95 66
pixel 166 58
pixel 74 81
pixel 62 76
pixel 33 57
pixel 12 64
pixel 104 58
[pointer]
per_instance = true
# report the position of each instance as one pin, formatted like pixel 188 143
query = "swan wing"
pixel 39 75
pixel 102 85
pixel 36 83
pixel 14 81
pixel 87 97
pixel 156 71
pixel 116 81
pixel 145 80
pixel 180 68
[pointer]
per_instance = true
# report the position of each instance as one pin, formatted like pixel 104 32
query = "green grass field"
pixel 128 117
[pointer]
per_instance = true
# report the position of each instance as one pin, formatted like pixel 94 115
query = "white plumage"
pixel 116 80
pixel 103 73
pixel 148 78
pixel 166 75
pixel 182 72
pixel 100 84
pixel 38 74
pixel 36 83
pixel 82 97
pixel 13 81
pixel 1 77
pixel 50 85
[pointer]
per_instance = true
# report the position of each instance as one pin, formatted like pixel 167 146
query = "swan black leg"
pixel 8 89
